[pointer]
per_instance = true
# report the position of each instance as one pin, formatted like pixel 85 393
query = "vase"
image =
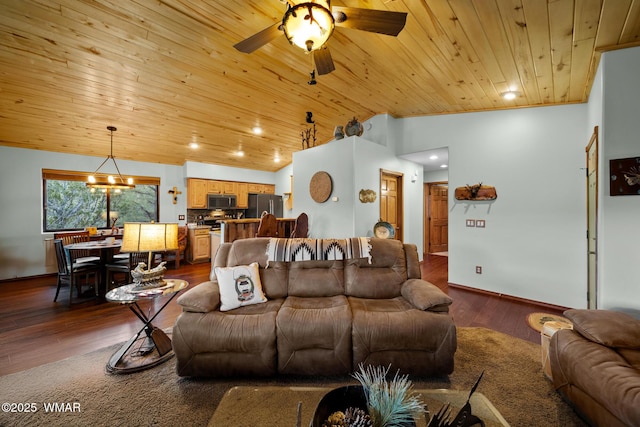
pixel 339 399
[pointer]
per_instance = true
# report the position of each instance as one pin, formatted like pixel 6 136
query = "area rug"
pixel 86 395
pixel 537 320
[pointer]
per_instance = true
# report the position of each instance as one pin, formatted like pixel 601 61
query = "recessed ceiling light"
pixel 509 95
pixel 257 130
pixel 433 157
pixel 193 145
pixel 443 166
pixel 239 153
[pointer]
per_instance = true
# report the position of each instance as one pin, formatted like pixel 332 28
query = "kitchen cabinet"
pixel 242 199
pixel 196 193
pixel 199 248
pixel 229 187
pixel 261 188
pixel 197 190
pixel 214 187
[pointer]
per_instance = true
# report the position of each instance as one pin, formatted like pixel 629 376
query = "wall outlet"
pixel 480 223
pixel 478 269
pixel 471 223
pixel 180 217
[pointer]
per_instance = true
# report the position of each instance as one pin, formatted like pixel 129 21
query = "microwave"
pixel 221 201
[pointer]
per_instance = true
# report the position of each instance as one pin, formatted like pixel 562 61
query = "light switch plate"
pixel 471 223
pixel 180 217
pixel 480 223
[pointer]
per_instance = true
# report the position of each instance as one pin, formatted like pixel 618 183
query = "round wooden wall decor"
pixel 320 187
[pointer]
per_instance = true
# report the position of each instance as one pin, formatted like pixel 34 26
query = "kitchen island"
pixel 234 229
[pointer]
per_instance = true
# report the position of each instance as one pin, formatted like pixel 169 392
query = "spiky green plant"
pixel 389 403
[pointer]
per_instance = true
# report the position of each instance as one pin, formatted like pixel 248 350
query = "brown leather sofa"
pixel 596 366
pixel 320 317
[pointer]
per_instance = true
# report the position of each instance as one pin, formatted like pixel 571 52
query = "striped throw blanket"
pixel 318 249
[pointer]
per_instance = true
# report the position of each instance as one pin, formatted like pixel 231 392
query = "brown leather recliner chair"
pixel 596 366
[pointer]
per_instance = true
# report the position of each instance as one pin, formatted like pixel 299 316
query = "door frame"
pixel 592 279
pixel 399 200
pixel 426 221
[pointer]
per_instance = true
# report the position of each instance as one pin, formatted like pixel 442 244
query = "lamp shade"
pixel 149 236
pixel 309 25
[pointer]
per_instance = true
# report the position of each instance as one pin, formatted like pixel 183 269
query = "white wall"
pixel 534 242
pixel 22 242
pixel 354 164
pixel 620 226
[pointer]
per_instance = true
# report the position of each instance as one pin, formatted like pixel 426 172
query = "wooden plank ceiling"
pixel 165 72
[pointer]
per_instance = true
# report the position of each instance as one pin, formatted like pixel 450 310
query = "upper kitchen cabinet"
pixel 214 187
pixel 229 187
pixel 262 188
pixel 197 190
pixel 242 199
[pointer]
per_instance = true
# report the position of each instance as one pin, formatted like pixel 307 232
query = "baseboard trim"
pixel 508 297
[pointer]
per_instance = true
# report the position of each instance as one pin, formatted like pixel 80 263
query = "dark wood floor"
pixel 34 330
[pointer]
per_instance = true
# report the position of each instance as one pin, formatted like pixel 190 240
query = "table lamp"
pixel 149 237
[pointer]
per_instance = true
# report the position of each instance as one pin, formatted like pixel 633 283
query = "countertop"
pixel 250 220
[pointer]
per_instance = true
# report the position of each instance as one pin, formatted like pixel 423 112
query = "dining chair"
pixel 84 255
pixel 179 253
pixel 124 267
pixel 70 270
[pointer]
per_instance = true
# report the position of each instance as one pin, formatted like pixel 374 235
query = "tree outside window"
pixel 69 205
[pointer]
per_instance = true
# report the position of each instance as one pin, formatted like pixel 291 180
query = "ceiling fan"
pixel 309 25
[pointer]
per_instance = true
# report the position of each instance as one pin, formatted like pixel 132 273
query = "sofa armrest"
pixel 202 298
pixel 425 295
pixel 606 327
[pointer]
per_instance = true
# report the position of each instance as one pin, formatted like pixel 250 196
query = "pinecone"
pixel 335 420
pixel 355 417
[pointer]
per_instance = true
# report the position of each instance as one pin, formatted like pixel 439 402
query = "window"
pixel 69 205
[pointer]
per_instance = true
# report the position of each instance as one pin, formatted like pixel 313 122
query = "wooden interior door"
pixel 437 217
pixel 592 217
pixel 391 200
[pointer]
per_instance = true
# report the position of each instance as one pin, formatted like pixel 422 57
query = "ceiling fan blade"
pixel 375 21
pixel 323 60
pixel 258 40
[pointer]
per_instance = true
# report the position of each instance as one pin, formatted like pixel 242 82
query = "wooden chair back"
pixel 268 226
pixel 301 227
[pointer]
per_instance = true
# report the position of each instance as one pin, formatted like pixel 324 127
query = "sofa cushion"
pixel 392 331
pixel 425 296
pixel 314 336
pixel 383 277
pixel 246 251
pixel 239 286
pixel 223 344
pixel 316 278
pixel 609 328
pixel 202 298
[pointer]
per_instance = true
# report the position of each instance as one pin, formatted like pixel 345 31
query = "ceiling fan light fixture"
pixel 309 25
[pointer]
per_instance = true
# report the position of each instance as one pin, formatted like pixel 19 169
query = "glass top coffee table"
pixel 146 350
pixel 273 405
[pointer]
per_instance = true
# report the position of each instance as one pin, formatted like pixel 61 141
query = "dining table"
pixel 107 247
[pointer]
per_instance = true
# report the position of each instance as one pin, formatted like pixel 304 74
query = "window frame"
pixel 66 175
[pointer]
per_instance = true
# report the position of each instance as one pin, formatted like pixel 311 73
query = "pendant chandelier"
pixel 109 181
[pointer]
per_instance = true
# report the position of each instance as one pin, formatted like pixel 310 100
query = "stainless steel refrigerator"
pixel 259 203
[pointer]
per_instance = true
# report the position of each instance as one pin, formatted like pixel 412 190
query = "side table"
pixel 146 350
